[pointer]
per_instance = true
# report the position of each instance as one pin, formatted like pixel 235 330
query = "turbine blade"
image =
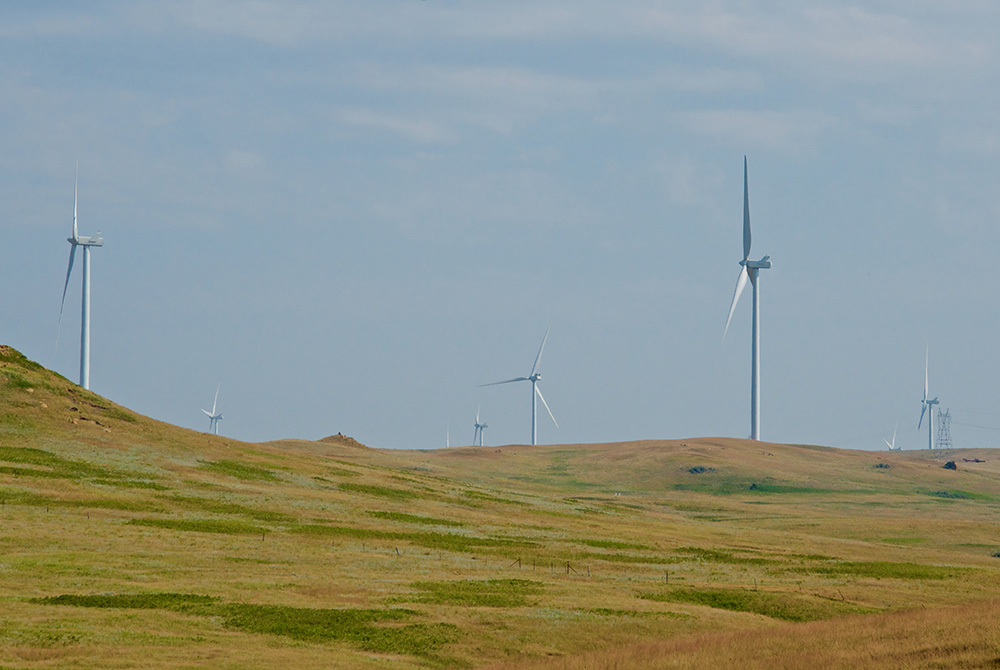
pixel 215 402
pixel 887 443
pixel 926 355
pixel 69 271
pixel 741 284
pixel 540 349
pixel 746 212
pixel 208 414
pixel 76 183
pixel 507 381
pixel 542 398
pixel 923 408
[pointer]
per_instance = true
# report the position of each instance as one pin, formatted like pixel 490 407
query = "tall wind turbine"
pixel 750 270
pixel 925 405
pixel 535 391
pixel 480 431
pixel 214 418
pixel 86 243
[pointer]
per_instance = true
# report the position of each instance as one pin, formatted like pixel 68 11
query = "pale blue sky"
pixel 350 214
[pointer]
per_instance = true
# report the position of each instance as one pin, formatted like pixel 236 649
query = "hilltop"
pixel 129 542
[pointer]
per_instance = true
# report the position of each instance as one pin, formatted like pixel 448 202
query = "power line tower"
pixel 944 429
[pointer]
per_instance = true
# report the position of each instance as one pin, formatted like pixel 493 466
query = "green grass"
pixel 440 541
pixel 52 466
pixel 478 593
pixel 357 627
pixel 717 556
pixel 403 517
pixel 250 473
pixel 163 601
pixel 222 507
pixel 224 526
pixel 615 544
pixel 885 570
pixel 784 606
pixel 373 490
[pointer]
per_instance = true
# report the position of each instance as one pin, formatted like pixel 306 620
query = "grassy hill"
pixel 128 542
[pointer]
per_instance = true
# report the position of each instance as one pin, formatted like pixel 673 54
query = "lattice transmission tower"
pixel 944 429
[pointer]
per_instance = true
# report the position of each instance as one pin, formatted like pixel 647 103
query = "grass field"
pixel 129 543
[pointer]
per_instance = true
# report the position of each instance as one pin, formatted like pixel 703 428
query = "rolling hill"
pixel 128 542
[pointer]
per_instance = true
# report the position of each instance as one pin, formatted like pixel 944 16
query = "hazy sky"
pixel 352 213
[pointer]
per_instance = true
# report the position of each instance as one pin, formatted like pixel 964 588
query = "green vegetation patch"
pixel 403 517
pixel 250 473
pixel 373 490
pixel 479 593
pixel 634 614
pixel 478 495
pixel 224 526
pixel 904 540
pixel 784 606
pixel 615 544
pixel 177 602
pixel 221 507
pixel 627 558
pixel 886 570
pixel 45 464
pixel 716 556
pixel 357 627
pixel 440 541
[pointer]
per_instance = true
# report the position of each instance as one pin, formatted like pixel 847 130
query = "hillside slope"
pixel 128 542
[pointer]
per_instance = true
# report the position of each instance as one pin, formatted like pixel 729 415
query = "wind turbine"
pixel 214 418
pixel 535 391
pixel 750 270
pixel 892 445
pixel 86 242
pixel 480 431
pixel 925 405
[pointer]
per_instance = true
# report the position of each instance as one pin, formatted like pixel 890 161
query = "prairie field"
pixel 130 543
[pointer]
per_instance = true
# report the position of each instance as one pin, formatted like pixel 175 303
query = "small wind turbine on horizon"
pixel 892 445
pixel 86 242
pixel 213 417
pixel 480 431
pixel 749 271
pixel 926 404
pixel 535 391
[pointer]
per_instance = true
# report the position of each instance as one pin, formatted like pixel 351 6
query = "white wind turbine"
pixel 892 445
pixel 214 418
pixel 750 270
pixel 480 431
pixel 86 243
pixel 535 391
pixel 925 405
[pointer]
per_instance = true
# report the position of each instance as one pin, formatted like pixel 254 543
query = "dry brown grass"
pixel 967 636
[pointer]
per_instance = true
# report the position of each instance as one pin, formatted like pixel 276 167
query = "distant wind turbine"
pixel 750 270
pixel 925 405
pixel 535 391
pixel 480 431
pixel 86 242
pixel 213 417
pixel 892 445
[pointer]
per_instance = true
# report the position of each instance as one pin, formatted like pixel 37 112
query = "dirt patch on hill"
pixel 343 441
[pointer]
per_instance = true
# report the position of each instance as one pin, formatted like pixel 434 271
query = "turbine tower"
pixel 925 405
pixel 750 270
pixel 480 431
pixel 86 242
pixel 535 391
pixel 213 417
